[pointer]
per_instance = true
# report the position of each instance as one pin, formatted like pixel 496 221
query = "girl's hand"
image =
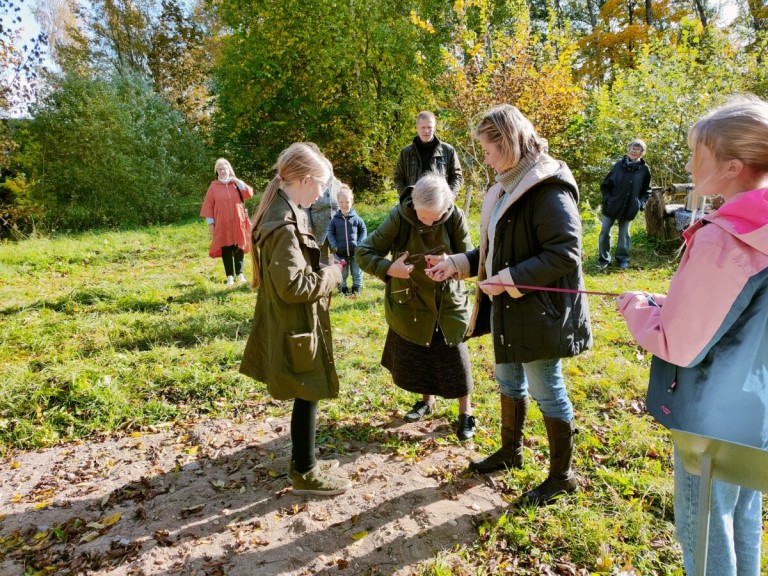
pixel 399 269
pixel 488 286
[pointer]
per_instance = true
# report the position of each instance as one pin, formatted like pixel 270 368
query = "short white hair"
pixel 432 192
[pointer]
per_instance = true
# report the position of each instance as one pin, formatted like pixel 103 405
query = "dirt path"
pixel 213 498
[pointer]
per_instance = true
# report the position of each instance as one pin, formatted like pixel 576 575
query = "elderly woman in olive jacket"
pixel 424 349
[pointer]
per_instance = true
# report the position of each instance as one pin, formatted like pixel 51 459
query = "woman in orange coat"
pixel 227 218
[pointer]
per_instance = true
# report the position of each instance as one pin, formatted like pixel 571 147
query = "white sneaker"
pixel 241 277
pixel 230 280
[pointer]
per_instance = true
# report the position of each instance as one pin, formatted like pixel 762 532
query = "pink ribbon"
pixel 548 289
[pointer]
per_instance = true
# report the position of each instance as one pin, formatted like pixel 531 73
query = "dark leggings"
pixel 303 426
pixel 232 256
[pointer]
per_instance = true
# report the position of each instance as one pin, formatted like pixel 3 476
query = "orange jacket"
pixel 230 216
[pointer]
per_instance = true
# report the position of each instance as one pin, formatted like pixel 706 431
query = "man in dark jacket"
pixel 625 190
pixel 427 153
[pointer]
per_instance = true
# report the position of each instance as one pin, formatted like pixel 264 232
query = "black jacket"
pixel 538 242
pixel 444 161
pixel 626 189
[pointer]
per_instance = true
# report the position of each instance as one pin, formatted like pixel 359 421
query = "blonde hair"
pixel 218 163
pixel 426 115
pixel 345 190
pixel 432 192
pixel 300 159
pixel 505 125
pixel 738 130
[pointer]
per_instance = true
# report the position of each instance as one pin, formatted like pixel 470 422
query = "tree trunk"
pixel 701 11
pixel 592 14
pixel 649 12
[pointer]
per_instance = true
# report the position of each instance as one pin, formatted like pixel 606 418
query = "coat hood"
pixel 746 217
pixel 281 212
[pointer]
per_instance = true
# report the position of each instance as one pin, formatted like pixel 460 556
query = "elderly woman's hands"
pixel 399 268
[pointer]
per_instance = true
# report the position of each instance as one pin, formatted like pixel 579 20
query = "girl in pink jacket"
pixel 709 333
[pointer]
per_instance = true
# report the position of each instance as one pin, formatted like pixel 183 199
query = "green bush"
pixel 110 152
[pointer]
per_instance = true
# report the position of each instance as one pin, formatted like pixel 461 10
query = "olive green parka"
pixel 412 306
pixel 290 347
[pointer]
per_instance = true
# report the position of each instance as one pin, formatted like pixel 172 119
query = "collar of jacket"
pixel 435 139
pixel 281 212
pixel 630 166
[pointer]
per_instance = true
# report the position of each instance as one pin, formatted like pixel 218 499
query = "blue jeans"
pixel 543 380
pixel 357 274
pixel 604 240
pixel 735 525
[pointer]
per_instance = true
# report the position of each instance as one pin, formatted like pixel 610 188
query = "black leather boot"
pixel 561 479
pixel 510 455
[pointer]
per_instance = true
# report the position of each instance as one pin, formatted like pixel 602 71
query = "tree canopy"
pixel 245 78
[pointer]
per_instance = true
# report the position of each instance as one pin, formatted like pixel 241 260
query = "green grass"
pixel 114 331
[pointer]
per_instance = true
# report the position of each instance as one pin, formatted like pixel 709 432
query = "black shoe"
pixel 355 291
pixel 419 410
pixel 601 266
pixel 467 427
pixel 344 290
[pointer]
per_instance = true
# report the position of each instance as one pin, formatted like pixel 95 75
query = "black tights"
pixel 232 256
pixel 303 426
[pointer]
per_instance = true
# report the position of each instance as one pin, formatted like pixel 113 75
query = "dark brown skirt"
pixel 438 369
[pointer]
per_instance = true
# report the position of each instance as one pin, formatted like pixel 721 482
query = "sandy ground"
pixel 213 498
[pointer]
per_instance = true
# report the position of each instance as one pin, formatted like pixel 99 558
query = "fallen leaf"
pixel 360 535
pixel 112 519
pixel 89 536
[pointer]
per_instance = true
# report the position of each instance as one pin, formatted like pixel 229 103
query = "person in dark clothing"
pixel 427 153
pixel 345 231
pixel 625 191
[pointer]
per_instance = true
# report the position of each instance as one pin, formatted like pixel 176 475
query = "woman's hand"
pixel 439 267
pixel 399 269
pixel 210 229
pixel 490 286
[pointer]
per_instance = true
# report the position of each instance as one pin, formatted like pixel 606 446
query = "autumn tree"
pixel 21 64
pixel 180 59
pixel 348 75
pixel 623 28
pixel 673 84
pixel 494 56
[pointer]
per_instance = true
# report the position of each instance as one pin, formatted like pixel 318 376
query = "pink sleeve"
pixel 702 292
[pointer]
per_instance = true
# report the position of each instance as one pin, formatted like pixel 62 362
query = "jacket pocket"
pixel 400 291
pixel 301 351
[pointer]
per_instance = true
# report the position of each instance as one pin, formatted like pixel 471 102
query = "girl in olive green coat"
pixel 290 346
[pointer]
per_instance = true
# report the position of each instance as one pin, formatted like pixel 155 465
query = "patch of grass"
pixel 115 331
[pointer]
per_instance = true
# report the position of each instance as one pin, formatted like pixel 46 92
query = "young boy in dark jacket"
pixel 345 230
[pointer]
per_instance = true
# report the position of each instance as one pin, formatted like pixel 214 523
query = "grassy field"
pixel 107 332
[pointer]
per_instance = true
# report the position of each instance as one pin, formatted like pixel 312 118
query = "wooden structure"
pixel 670 206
